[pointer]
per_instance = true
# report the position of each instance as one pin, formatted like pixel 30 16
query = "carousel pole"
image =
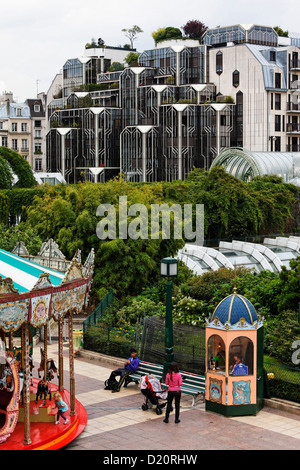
pixel 10 340
pixel 45 349
pixel 26 387
pixel 60 354
pixel 71 362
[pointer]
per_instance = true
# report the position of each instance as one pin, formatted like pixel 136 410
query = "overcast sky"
pixel 37 37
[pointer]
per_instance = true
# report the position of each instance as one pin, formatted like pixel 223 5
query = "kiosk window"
pixel 241 356
pixel 216 354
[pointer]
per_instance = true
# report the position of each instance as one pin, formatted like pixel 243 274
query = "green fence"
pixel 283 381
pixel 112 341
pixel 93 319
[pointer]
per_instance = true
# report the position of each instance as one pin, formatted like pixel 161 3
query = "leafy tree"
pixel 132 33
pixel 115 66
pixel 163 34
pixel 20 168
pixel 132 58
pixel 280 31
pixel 289 297
pixel 194 29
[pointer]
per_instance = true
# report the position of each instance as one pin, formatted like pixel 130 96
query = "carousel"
pixel 32 295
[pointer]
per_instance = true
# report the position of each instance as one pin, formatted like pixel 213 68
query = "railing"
pixel 293 106
pixel 99 311
pixel 293 148
pixel 295 64
pixel 293 127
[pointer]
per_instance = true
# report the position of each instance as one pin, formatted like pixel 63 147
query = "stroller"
pixel 151 389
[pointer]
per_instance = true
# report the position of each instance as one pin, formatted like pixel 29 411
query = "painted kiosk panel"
pixel 234 358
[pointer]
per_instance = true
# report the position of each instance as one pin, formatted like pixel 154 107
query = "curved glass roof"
pixel 245 164
pixel 270 256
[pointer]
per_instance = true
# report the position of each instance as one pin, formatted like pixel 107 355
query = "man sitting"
pixel 130 366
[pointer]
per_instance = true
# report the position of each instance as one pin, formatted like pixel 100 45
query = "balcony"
pixel 295 64
pixel 293 148
pixel 293 128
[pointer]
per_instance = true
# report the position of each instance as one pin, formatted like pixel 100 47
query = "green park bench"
pixel 192 384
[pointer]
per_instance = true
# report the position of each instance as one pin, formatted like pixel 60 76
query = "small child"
pixel 62 407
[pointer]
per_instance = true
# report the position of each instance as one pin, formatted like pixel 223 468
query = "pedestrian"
pixel 174 381
pixel 62 408
pixel 130 366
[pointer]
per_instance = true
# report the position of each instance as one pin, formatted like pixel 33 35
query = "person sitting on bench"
pixel 130 366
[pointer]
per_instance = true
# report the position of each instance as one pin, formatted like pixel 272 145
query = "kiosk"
pixel 234 358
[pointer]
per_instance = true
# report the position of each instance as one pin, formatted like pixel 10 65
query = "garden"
pixel 233 209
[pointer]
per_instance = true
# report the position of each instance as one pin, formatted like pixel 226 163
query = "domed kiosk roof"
pixel 234 308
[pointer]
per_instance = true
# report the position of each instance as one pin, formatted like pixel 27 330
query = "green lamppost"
pixel 168 269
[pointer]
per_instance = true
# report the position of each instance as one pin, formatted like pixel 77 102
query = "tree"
pixel 163 34
pixel 194 29
pixel 132 58
pixel 280 31
pixel 131 33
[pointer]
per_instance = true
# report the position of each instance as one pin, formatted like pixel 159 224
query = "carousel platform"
pixel 44 433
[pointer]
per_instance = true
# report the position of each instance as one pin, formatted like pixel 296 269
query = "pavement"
pixel 116 421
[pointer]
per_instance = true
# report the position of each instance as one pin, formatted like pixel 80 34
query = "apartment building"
pixel 22 129
pixel 182 105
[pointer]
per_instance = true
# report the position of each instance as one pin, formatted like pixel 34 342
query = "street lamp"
pixel 168 269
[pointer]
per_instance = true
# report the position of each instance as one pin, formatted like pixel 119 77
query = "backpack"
pixel 110 384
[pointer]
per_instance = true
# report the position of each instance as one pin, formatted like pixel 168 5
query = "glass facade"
pixel 237 34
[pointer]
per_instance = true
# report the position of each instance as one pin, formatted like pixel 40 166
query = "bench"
pixel 145 368
pixel 192 384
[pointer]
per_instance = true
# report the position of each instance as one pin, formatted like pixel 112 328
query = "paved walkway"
pixel 117 422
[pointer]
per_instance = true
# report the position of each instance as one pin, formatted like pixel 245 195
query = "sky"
pixel 37 37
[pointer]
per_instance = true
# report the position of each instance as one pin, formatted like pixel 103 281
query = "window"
pixel 277 123
pixel 37 108
pixel 24 144
pixel 277 80
pixel 236 78
pixel 37 148
pixel 272 56
pixel 277 101
pixel 219 63
pixel 38 124
pixel 272 100
pixel 14 127
pixel 277 144
pixel 241 356
pixel 4 141
pixel 37 134
pixel 1 126
pixel 19 112
pixel 38 164
pixel 216 354
pixel 15 144
pixel 24 126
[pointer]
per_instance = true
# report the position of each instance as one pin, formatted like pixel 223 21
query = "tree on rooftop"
pixel 131 33
pixel 194 29
pixel 280 31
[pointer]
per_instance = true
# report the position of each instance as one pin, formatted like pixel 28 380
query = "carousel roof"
pixel 25 274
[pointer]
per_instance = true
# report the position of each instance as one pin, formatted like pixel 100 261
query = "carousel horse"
pixel 51 367
pixel 43 389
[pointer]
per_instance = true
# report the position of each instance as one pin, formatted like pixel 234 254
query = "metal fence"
pixel 93 319
pixel 283 381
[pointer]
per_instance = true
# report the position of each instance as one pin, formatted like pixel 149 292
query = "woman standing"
pixel 174 381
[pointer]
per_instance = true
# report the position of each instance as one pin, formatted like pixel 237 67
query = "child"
pixel 62 407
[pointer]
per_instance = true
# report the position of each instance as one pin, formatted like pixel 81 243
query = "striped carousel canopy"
pixel 25 274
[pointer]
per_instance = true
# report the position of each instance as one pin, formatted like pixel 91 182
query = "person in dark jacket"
pixel 131 365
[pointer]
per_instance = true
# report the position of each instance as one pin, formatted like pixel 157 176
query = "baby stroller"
pixel 151 389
